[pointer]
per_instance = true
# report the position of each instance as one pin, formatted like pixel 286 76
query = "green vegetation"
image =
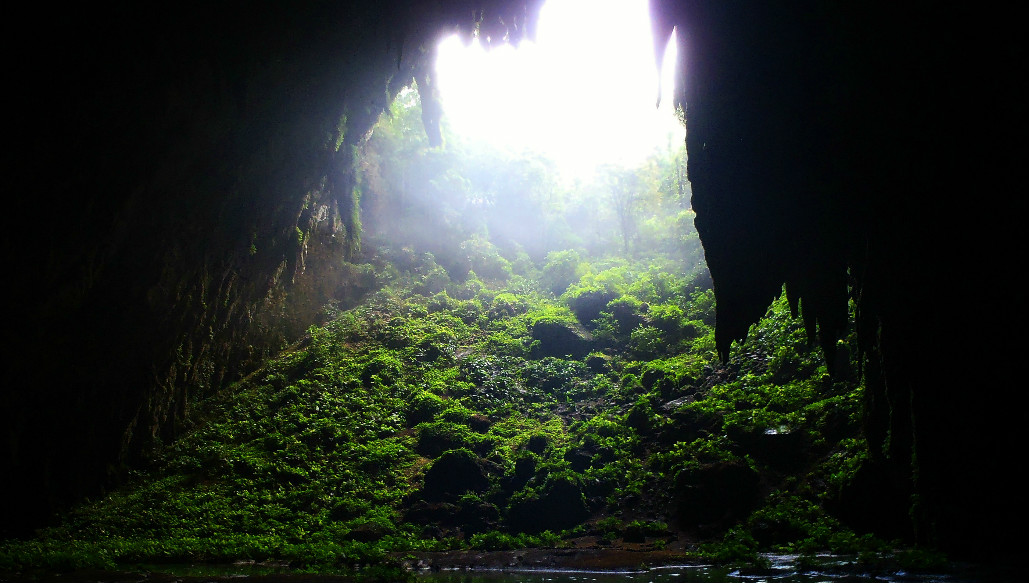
pixel 445 419
pixel 499 390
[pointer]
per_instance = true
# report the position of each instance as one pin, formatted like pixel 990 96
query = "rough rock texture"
pixel 842 151
pixel 179 208
pixel 182 170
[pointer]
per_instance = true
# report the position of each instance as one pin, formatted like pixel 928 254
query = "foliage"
pixel 324 458
pixel 452 201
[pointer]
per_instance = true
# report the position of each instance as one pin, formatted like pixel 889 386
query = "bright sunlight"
pixel 575 94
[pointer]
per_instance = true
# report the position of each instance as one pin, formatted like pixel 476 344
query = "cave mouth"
pixel 568 140
pixel 585 92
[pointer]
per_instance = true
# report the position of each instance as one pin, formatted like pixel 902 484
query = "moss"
pixel 396 425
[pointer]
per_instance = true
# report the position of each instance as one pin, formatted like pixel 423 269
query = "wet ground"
pixel 542 566
pixel 660 567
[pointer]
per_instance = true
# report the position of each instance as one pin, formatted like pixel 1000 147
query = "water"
pixel 783 569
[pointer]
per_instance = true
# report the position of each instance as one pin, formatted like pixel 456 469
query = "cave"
pixel 182 179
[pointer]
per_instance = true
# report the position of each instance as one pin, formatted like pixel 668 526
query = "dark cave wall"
pixel 871 152
pixel 184 201
pixel 177 182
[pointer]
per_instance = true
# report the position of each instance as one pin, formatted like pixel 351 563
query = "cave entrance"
pixel 562 142
pixel 582 93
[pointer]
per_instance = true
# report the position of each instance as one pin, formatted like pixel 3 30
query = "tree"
pixel 624 192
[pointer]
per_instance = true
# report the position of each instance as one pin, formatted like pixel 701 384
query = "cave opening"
pixel 567 140
pixel 585 91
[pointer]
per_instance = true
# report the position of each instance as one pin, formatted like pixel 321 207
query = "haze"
pixel 548 95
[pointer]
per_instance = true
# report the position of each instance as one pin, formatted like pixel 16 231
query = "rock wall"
pixel 867 152
pixel 183 202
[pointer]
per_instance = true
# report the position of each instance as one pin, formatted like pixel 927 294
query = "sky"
pixel 584 92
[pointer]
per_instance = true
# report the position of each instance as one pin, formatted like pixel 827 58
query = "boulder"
pixel 716 495
pixel 559 506
pixel 455 472
pixel 560 339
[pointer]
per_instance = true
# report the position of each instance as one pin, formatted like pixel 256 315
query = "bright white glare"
pixel 584 93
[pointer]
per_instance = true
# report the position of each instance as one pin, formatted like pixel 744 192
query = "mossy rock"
pixel 436 437
pixel 423 407
pixel 524 470
pixel 627 312
pixel 588 303
pixel 537 443
pixel 779 448
pixel 598 363
pixel 560 339
pixel 559 506
pixel 717 495
pixel 453 473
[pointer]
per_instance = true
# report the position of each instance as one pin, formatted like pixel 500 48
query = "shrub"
pixel 385 366
pixel 641 415
pixel 485 259
pixel 587 302
pixel 647 342
pixel 494 541
pixel 436 437
pixel 562 269
pixel 423 406
pixel 627 312
pixel 505 305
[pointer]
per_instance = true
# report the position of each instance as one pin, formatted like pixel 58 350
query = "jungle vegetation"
pixel 533 366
